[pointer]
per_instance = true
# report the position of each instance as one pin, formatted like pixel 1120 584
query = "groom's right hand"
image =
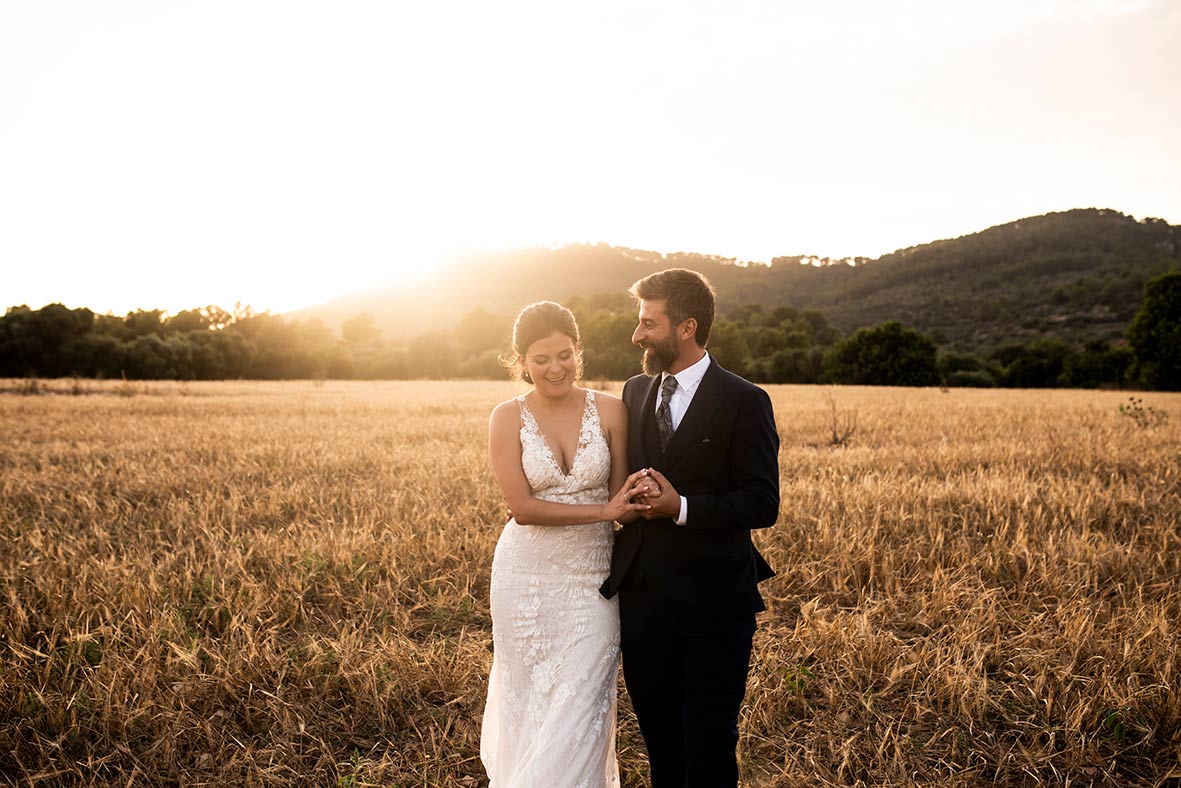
pixel 666 502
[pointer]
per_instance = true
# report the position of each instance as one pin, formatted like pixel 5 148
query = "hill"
pixel 1076 275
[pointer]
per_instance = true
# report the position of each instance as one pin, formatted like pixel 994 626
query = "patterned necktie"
pixel 664 416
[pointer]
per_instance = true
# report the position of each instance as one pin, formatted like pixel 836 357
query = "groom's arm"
pixel 628 388
pixel 754 462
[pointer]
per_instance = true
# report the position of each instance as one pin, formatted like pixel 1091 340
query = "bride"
pixel 559 453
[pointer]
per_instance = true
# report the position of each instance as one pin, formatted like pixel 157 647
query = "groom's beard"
pixel 659 356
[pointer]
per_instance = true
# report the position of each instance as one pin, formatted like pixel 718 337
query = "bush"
pixel 1155 334
pixel 1038 365
pixel 971 378
pixel 888 354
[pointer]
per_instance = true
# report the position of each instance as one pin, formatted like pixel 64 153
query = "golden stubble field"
pixel 240 584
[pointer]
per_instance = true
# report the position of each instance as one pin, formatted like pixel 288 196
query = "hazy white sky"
pixel 174 154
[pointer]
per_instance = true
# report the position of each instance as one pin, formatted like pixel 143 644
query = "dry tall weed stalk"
pixel 286 584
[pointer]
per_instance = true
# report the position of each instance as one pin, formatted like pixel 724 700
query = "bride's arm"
pixel 504 451
pixel 613 415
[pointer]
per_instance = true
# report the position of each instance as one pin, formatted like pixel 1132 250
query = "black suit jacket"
pixel 724 458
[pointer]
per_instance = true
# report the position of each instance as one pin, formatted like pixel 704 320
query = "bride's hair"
pixel 538 321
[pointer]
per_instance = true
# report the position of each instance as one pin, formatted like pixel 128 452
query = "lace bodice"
pixel 589 470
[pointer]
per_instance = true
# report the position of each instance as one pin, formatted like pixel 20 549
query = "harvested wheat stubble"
pixel 286 584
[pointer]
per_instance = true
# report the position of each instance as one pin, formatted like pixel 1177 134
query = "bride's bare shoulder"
pixel 605 396
pixel 506 412
pixel 610 406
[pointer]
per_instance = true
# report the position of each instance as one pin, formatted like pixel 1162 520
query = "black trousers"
pixel 686 681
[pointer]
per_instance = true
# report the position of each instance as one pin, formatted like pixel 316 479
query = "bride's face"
pixel 552 363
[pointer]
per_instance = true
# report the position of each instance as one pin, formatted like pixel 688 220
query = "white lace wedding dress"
pixel 549 721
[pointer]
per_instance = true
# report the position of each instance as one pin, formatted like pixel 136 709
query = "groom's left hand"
pixel 665 501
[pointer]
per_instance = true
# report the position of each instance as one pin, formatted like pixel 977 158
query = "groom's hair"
pixel 685 294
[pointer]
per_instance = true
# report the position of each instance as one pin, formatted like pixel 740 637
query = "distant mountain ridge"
pixel 1076 275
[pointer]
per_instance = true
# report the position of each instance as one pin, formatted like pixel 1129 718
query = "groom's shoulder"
pixel 741 383
pixel 633 381
pixel 731 379
pixel 741 386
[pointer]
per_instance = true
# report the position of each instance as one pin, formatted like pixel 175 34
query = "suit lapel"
pixel 645 398
pixel 710 393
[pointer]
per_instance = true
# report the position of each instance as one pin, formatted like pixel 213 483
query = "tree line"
pixel 779 344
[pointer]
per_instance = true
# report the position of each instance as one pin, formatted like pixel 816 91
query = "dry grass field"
pixel 248 584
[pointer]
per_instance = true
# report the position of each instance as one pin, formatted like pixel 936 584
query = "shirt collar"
pixel 689 377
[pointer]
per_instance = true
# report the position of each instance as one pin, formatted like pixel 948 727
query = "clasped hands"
pixel 646 493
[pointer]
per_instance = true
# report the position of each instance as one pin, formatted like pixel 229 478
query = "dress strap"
pixel 591 408
pixel 526 414
pixel 529 424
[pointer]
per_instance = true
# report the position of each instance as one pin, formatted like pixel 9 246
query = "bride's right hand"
pixel 638 484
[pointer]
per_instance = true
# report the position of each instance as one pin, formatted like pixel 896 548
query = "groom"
pixel 687 575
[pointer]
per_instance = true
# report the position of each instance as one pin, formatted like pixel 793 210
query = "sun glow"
pixel 281 154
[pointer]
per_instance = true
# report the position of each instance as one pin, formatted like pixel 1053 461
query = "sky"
pixel 168 154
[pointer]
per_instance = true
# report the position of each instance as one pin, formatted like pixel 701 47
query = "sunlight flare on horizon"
pixel 283 154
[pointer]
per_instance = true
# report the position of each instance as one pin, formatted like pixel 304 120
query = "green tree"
pixel 797 365
pixel 433 355
pixel 360 330
pixel 607 350
pixel 153 356
pixel 44 341
pixel 216 317
pixel 188 320
pixel 484 366
pixel 1098 364
pixel 764 341
pixel 142 322
pixel 966 369
pixel 1155 334
pixel 1038 365
pixel 889 354
pixel 218 355
pixel 728 345
pixel 279 349
pixel 783 314
pixel 480 330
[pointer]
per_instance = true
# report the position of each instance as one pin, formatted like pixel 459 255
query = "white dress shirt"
pixel 688 379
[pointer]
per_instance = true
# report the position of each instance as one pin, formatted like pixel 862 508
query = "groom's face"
pixel 654 334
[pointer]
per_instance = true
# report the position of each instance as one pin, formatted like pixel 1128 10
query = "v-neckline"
pixel 577 442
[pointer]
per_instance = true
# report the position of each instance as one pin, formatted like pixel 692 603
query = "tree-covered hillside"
pixel 1074 276
pixel 1077 275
